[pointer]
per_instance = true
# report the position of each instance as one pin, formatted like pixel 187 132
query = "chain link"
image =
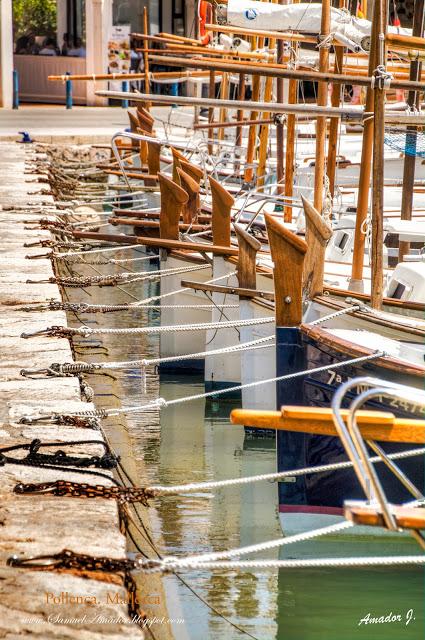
pixel 66 488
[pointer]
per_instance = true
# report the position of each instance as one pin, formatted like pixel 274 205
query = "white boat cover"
pixel 304 17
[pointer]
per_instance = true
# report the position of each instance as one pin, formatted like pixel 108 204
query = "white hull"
pixel 180 343
pixel 296 523
pixel 223 369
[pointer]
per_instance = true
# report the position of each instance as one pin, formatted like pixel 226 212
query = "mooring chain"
pixel 35 458
pixel 86 332
pixel 66 488
pixel 89 281
pixel 85 307
pixel 58 370
pixel 68 559
pixel 82 422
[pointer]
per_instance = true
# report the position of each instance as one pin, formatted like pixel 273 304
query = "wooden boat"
pixel 310 502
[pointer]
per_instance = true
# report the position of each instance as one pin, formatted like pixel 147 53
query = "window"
pixel 398 291
pixel 341 240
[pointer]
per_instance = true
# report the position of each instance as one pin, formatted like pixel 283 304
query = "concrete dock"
pixel 30 601
pixel 79 125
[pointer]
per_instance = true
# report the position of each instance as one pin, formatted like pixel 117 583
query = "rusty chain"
pixel 62 488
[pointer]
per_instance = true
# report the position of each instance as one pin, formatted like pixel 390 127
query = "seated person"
pixel 49 48
pixel 78 50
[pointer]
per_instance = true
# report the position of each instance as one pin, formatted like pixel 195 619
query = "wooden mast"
pixel 280 168
pixel 211 95
pixel 377 283
pixel 317 235
pixel 334 122
pixel 290 135
pixel 412 101
pixel 252 132
pixel 239 118
pixel 356 282
pixel 145 54
pixel 322 100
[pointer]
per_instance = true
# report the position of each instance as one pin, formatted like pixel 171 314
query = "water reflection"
pixel 194 442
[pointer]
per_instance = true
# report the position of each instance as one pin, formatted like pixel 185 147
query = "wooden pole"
pixel 211 94
pixel 312 110
pixel 356 282
pixel 412 101
pixel 405 42
pixel 224 95
pixel 290 141
pixel 281 71
pixel 322 100
pixel 239 118
pixel 264 135
pixel 210 51
pixel 264 129
pixel 280 167
pixel 252 133
pixel 280 139
pixel 334 123
pixel 377 272
pixel 145 55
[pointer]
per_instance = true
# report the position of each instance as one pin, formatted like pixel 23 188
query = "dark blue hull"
pixel 325 493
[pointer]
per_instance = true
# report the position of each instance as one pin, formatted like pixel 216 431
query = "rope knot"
pixel 381 78
pixel 325 42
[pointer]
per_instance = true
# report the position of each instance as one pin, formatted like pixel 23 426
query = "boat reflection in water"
pixel 336 603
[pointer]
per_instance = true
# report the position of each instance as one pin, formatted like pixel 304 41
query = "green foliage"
pixel 34 16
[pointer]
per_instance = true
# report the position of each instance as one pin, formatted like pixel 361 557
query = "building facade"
pixel 39 38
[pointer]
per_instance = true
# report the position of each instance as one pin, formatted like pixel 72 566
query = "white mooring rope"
pixel 322 563
pixel 73 368
pixel 160 403
pixel 86 332
pixel 195 487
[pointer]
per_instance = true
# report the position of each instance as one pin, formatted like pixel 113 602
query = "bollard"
pixel 124 86
pixel 174 91
pixel 68 84
pixel 15 102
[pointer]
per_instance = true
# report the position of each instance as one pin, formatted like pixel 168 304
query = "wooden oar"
pixel 374 425
pixel 371 515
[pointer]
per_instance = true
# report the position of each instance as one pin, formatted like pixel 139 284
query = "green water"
pixel 195 442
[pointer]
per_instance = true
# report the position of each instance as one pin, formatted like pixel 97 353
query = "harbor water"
pixel 195 442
